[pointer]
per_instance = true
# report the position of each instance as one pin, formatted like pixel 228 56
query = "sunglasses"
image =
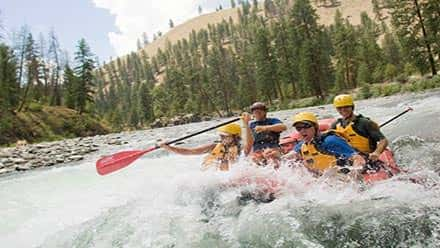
pixel 301 127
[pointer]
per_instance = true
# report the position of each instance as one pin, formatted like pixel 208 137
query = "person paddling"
pixel 360 132
pixel 322 151
pixel 222 154
pixel 263 135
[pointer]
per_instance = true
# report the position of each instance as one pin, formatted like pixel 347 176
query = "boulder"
pixel 6 170
pixel 76 157
pixel 22 167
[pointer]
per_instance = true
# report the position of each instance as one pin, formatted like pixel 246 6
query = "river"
pixel 164 200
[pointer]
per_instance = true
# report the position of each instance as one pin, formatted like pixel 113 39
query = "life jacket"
pixel 221 156
pixel 357 140
pixel 315 158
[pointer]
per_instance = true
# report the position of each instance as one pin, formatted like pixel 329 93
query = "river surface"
pixel 164 200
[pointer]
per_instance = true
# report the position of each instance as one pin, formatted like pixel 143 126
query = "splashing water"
pixel 166 201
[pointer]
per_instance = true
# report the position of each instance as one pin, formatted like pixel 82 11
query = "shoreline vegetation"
pixel 29 157
pixel 277 52
pixel 44 123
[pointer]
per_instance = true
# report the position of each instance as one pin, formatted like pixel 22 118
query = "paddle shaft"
pixel 395 117
pixel 200 132
pixel 119 160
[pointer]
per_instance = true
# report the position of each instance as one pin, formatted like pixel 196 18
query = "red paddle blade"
pixel 117 161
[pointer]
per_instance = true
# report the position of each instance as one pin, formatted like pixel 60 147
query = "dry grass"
pixel 351 8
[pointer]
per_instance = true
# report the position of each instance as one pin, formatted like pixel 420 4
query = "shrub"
pixel 376 90
pixel 365 91
pixel 35 107
pixel 389 89
pixel 390 71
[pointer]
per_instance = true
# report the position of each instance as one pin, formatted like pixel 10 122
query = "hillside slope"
pixel 348 8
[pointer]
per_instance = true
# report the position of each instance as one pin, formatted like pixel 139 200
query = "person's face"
pixel 226 139
pixel 345 112
pixel 306 130
pixel 287 147
pixel 259 114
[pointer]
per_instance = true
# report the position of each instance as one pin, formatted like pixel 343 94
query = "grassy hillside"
pixel 348 8
pixel 43 123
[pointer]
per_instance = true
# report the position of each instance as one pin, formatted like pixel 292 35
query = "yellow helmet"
pixel 305 116
pixel 343 101
pixel 232 129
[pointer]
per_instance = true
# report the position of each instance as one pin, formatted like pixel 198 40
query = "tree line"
pixel 277 53
pixel 37 72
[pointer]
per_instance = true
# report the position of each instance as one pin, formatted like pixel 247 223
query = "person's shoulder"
pixel 330 138
pixel 366 122
pixel 335 123
pixel 274 120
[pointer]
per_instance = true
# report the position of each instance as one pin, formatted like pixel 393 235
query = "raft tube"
pixel 389 166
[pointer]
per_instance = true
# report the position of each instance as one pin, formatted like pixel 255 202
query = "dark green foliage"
pixel 417 27
pixel 9 86
pixel 272 56
pixel 70 82
pixel 85 65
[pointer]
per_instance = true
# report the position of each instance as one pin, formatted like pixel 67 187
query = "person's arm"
pixel 381 146
pixel 189 151
pixel 248 142
pixel 340 148
pixel 376 136
pixel 276 127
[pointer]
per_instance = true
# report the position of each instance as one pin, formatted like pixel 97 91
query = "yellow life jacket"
pixel 221 156
pixel 316 160
pixel 357 141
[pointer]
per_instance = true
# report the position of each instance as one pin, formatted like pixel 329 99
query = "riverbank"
pixel 60 153
pixel 47 123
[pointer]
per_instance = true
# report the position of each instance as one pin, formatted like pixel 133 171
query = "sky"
pixel 110 27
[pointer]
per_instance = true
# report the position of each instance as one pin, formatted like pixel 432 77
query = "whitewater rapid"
pixel 164 200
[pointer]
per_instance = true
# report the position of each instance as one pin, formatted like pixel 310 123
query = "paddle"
pixel 109 164
pixel 395 117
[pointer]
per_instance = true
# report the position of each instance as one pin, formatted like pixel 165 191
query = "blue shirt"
pixel 333 144
pixel 265 140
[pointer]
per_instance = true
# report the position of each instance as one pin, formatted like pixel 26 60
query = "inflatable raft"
pixel 385 168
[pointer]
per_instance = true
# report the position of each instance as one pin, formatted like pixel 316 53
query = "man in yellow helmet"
pixel 360 132
pixel 320 152
pixel 221 154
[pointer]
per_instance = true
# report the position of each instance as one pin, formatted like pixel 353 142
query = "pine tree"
pixel 369 52
pixel 32 66
pixel 265 66
pixel 9 85
pixel 284 51
pixel 145 103
pixel 85 65
pixel 171 23
pixel 410 18
pixel 345 42
pixel 70 82
pixel 392 51
pixel 314 60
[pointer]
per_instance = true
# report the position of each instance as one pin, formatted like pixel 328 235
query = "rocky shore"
pixel 48 154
